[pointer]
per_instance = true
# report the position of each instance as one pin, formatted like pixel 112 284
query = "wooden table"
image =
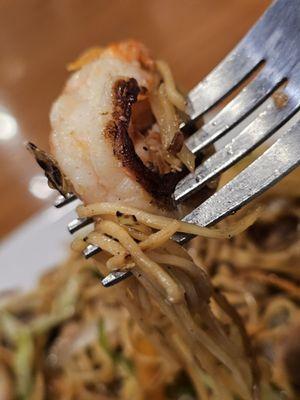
pixel 38 38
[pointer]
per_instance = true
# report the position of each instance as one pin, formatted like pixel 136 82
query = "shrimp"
pixel 99 125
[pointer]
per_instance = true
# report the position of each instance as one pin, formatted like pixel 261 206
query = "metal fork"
pixel 274 40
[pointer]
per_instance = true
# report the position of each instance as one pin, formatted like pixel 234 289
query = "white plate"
pixel 37 245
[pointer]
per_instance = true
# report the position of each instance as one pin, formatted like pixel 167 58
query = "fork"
pixel 273 45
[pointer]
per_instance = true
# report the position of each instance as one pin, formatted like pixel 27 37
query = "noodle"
pixel 160 222
pixel 174 96
pixel 168 123
pixel 145 263
pixel 157 239
pixel 172 283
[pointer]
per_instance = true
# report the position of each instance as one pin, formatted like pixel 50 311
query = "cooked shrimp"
pixel 99 124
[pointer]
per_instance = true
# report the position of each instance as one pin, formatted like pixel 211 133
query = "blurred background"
pixel 38 38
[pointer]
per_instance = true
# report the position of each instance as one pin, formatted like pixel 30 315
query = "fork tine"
pixel 91 250
pixel 275 163
pixel 239 63
pixel 61 201
pixel 115 277
pixel 246 101
pixel 254 134
pixel 79 223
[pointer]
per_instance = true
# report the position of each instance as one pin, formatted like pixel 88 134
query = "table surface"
pixel 38 38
